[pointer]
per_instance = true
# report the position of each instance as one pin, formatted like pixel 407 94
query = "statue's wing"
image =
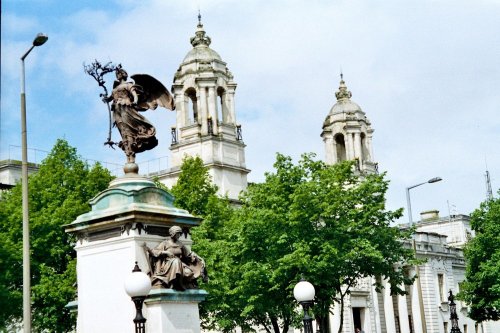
pixel 155 92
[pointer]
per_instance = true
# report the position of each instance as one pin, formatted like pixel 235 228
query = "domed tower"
pixel 347 133
pixel 206 125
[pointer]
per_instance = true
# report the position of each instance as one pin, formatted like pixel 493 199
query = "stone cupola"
pixel 206 126
pixel 347 132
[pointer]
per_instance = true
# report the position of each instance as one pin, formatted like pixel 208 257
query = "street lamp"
pixel 137 286
pixel 430 181
pixel 304 294
pixel 39 40
pixel 417 268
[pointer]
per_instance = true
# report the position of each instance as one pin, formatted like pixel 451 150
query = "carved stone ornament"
pixel 343 93
pixel 133 226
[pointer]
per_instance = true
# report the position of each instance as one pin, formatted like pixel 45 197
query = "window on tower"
pixel 192 106
pixel 340 145
pixel 222 107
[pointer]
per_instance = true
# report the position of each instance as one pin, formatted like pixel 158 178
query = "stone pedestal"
pixel 132 212
pixel 173 311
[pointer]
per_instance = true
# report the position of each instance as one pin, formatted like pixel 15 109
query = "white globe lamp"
pixel 137 286
pixel 304 294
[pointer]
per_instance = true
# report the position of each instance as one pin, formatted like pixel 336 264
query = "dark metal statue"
pixel 453 315
pixel 128 99
pixel 173 265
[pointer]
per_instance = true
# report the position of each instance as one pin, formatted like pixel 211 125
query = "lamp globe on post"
pixel 304 294
pixel 137 286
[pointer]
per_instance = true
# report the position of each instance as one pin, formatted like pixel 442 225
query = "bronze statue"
pixel 130 98
pixel 173 265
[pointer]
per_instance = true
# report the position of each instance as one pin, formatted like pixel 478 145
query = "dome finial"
pixel 200 37
pixel 343 93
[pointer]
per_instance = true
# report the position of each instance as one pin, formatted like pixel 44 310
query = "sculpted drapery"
pixel 129 99
pixel 173 265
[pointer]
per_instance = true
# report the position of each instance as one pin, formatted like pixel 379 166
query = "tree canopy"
pixel 481 289
pixel 58 193
pixel 323 222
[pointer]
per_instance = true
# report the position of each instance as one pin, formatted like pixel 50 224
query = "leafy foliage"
pixel 324 222
pixel 481 288
pixel 195 192
pixel 194 188
pixel 58 193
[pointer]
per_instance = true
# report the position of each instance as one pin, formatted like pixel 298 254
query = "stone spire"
pixel 200 37
pixel 343 93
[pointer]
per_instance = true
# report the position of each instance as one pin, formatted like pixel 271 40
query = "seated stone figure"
pixel 173 265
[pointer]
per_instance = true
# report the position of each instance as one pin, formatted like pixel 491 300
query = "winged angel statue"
pixel 128 100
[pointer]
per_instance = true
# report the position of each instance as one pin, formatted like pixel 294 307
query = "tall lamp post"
pixel 137 286
pixel 304 294
pixel 417 269
pixel 408 202
pixel 40 39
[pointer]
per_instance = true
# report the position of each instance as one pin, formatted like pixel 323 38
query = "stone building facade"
pixel 347 134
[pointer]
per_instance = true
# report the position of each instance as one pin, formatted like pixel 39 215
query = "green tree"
pixel 324 222
pixel 58 193
pixel 194 188
pixel 195 192
pixel 481 289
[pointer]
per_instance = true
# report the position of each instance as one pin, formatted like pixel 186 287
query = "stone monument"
pixel 135 221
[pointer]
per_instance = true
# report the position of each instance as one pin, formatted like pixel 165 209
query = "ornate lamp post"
pixel 453 315
pixel 137 286
pixel 304 294
pixel 39 40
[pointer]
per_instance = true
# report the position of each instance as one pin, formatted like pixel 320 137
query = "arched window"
pixel 192 106
pixel 340 144
pixel 222 107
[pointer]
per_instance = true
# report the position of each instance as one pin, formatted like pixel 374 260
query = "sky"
pixel 425 72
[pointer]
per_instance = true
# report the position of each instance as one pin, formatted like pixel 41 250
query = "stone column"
pixel 404 324
pixel 349 153
pixel 335 319
pixel 358 152
pixel 390 321
pixel 202 109
pixel 357 145
pixel 376 306
pixel 225 112
pixel 415 305
pixel 231 104
pixel 180 106
pixel 330 149
pixel 369 146
pixel 212 108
